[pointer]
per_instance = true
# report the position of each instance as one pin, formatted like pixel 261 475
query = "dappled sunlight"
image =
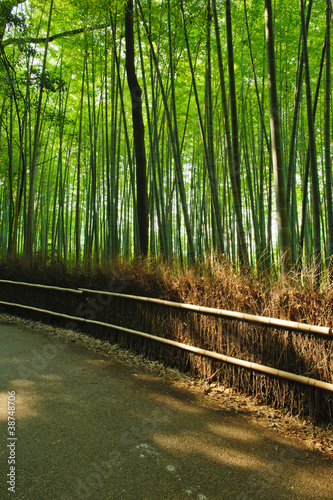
pixel 51 378
pixel 232 432
pixel 3 406
pixel 146 377
pixel 26 403
pixel 318 482
pixel 28 406
pixel 189 443
pixel 98 362
pixel 22 383
pixel 175 404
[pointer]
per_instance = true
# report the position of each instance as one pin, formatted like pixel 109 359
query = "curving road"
pixel 89 427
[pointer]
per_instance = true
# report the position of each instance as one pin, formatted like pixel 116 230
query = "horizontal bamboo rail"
pixel 251 318
pixel 49 287
pixel 196 350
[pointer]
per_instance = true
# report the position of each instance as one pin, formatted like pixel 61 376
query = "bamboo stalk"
pixel 196 350
pixel 251 318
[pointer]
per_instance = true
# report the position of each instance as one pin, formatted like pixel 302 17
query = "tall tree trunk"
pixel 328 166
pixel 29 240
pixel 78 184
pixel 233 100
pixel 277 156
pixel 207 144
pixel 12 244
pixel 305 223
pixel 138 130
pixel 174 145
pixel 155 200
pixel 10 178
pixel 312 151
pixel 244 260
pixel 291 169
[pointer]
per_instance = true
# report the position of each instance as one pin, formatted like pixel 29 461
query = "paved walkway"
pixel 88 427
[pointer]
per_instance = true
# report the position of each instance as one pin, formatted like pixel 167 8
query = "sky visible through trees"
pixel 173 129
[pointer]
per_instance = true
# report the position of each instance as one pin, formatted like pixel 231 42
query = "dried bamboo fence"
pixel 253 354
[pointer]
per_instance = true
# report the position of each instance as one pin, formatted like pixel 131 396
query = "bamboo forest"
pixel 169 129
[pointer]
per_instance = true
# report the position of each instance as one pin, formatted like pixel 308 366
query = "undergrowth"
pixel 213 284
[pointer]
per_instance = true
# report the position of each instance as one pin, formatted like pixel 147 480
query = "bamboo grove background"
pixel 236 158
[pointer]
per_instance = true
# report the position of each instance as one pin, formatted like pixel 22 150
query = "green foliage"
pixel 84 82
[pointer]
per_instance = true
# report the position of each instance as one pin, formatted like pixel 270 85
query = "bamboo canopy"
pixel 139 99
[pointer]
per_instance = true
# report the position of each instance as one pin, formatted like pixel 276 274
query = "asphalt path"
pixel 90 427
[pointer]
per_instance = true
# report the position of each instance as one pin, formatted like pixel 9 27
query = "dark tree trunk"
pixel 138 131
pixel 235 174
pixel 328 163
pixel 277 157
pixel 312 152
